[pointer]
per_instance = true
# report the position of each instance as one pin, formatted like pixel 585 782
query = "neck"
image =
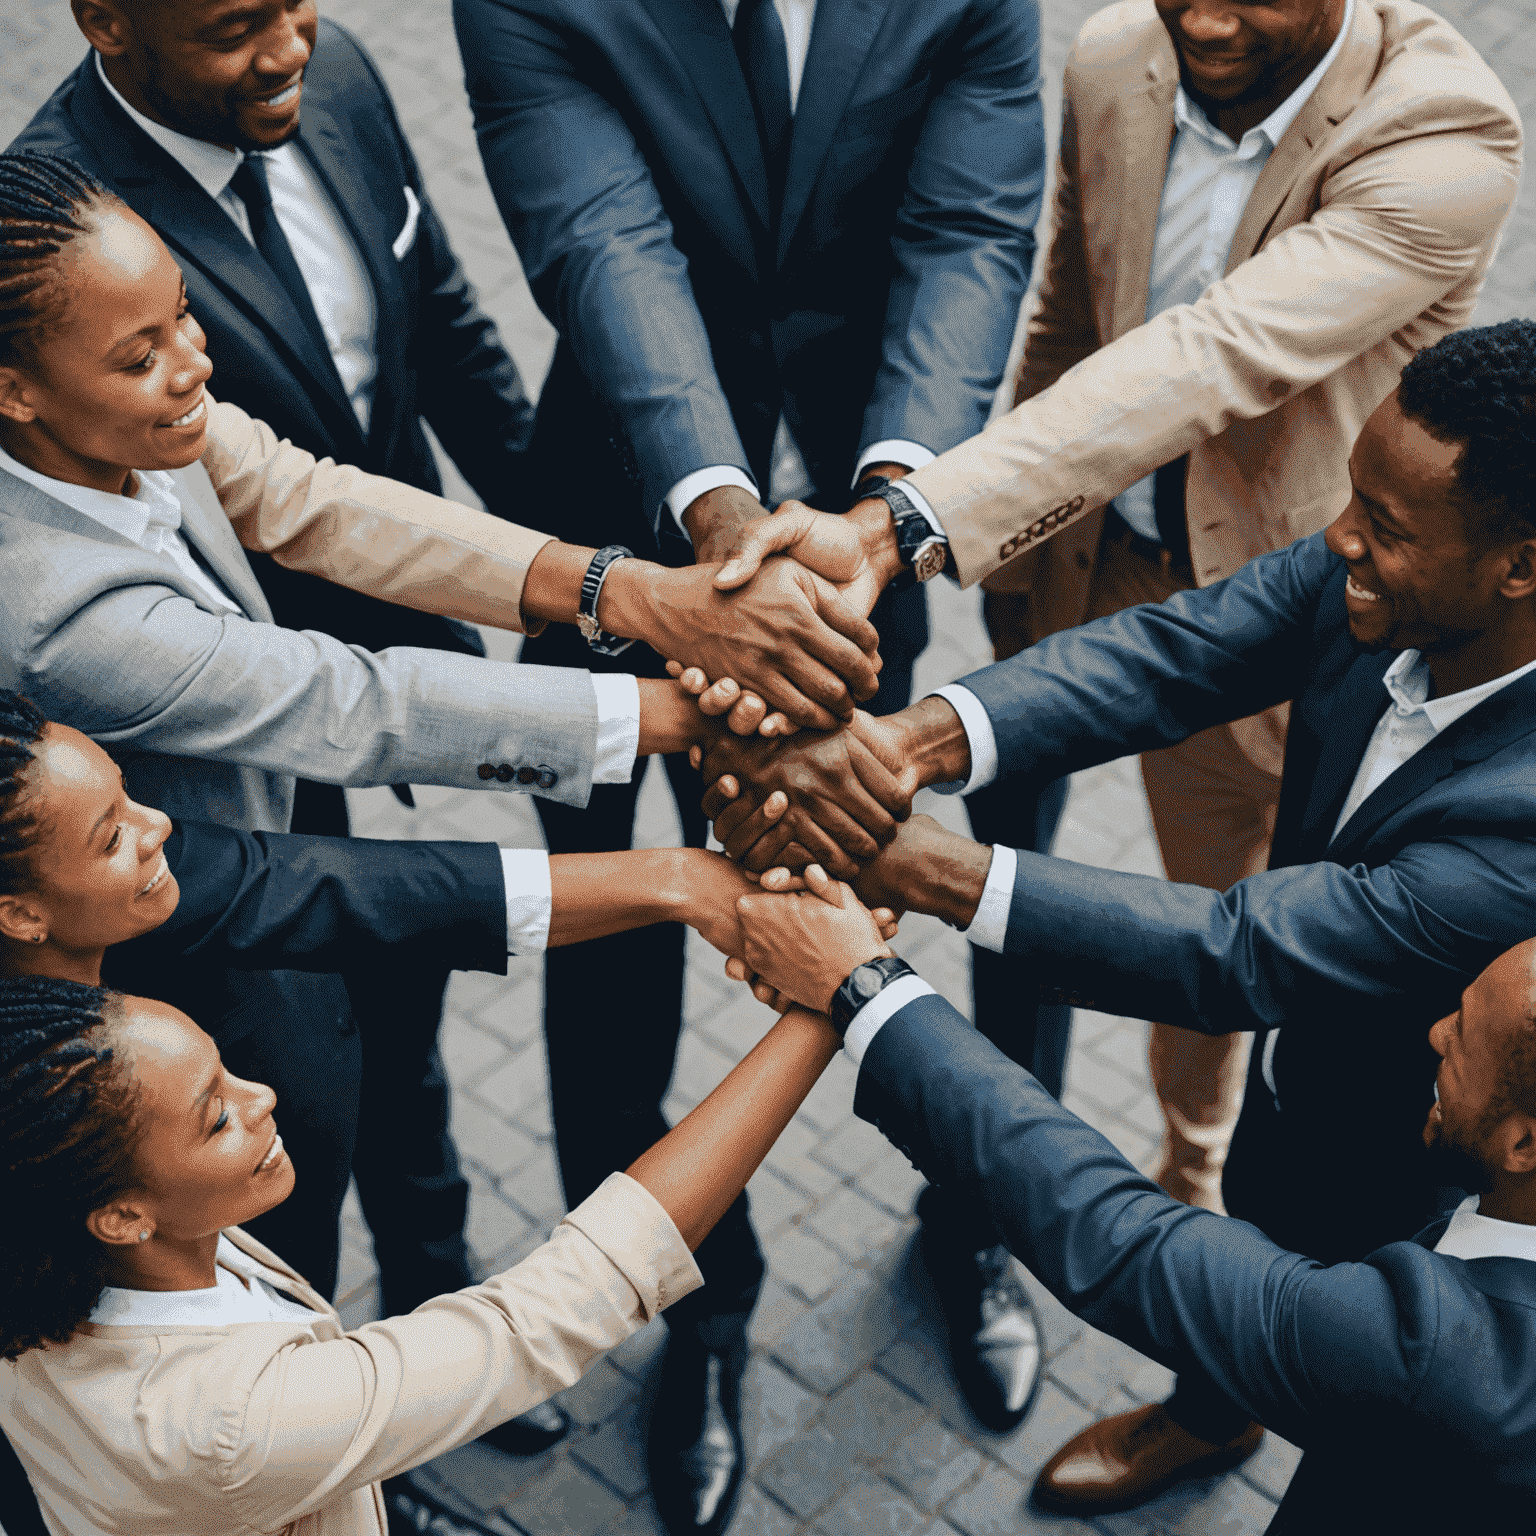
pixel 166 1264
pixel 1512 1198
pixel 1482 659
pixel 50 959
pixel 132 91
pixel 31 445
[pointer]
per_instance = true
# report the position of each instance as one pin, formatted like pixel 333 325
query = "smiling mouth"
pixel 274 1152
pixel 283 97
pixel 195 414
pixel 160 875
pixel 1354 589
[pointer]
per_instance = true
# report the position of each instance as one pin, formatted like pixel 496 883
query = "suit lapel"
pixel 1352 714
pixel 1147 127
pixel 842 35
pixel 321 139
pixel 1492 726
pixel 697 33
pixel 205 526
pixel 1336 96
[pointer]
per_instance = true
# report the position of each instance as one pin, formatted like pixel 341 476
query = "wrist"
pixel 624 605
pixel 953 877
pixel 671 720
pixel 931 738
pixel 877 536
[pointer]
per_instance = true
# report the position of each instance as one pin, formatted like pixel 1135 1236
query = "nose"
pixel 157 827
pixel 193 367
pixel 1203 24
pixel 1343 538
pixel 288 50
pixel 1439 1032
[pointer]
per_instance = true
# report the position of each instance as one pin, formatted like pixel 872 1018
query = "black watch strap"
pixel 864 982
pixel 597 637
pixel 923 552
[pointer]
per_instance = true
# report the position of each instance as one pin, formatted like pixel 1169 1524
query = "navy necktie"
pixel 249 184
pixel 764 57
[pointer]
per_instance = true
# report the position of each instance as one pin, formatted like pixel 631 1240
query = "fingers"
pixel 720 696
pixel 883 788
pixel 777 724
pixel 695 757
pixel 719 797
pixel 747 715
pixel 767 536
pixel 778 879
pixel 839 614
pixel 740 825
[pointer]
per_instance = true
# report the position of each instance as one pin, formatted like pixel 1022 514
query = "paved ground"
pixel 854 1425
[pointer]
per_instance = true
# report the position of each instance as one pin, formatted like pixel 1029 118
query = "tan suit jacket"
pixel 1366 239
pixel 199 1431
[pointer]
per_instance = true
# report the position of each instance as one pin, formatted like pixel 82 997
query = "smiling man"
pixel 1403 858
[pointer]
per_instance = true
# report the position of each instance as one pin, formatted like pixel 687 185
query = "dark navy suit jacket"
pixel 266 900
pixel 439 355
pixel 621 146
pixel 1356 943
pixel 1409 1379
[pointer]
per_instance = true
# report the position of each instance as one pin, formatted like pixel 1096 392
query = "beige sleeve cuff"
pixel 630 1226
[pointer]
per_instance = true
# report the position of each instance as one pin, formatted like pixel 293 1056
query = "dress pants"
pixel 409 1183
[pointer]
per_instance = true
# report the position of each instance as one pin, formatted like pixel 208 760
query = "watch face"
pixel 866 982
pixel 930 561
pixel 589 627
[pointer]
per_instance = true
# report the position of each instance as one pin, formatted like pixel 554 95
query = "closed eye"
pixel 222 1121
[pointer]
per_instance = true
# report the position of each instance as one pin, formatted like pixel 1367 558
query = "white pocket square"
pixel 407 236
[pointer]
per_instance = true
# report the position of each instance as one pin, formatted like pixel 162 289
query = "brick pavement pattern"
pixel 853 1423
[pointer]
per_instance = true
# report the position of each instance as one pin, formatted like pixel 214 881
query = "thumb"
pixel 761 538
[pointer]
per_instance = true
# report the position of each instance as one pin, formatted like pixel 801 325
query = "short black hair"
pixel 1478 388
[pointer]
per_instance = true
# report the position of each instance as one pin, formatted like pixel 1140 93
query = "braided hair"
pixel 1478 388
pixel 68 1132
pixel 21 725
pixel 44 200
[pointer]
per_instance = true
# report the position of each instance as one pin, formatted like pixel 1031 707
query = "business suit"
pixel 1365 238
pixel 1416 1365
pixel 438 357
pixel 875 303
pixel 1353 941
pixel 211 714
pixel 283 1425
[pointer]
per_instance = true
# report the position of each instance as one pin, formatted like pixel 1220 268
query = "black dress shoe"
pixel 531 1433
pixel 695 1453
pixel 994 1338
pixel 414 1512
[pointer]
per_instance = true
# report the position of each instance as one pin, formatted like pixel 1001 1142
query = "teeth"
pixel 283 97
pixel 1355 590
pixel 191 416
pixel 160 875
pixel 272 1156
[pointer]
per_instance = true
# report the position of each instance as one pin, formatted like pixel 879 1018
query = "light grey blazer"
pixel 214 716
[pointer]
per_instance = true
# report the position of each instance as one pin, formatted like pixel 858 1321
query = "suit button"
pixel 526 775
pixel 505 773
pixel 548 778
pixel 486 770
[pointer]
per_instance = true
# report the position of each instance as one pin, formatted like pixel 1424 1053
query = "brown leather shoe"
pixel 1120 1462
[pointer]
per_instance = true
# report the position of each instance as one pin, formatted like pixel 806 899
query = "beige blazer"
pixel 1366 238
pixel 197 1431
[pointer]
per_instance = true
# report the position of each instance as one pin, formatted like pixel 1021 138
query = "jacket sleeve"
pixel 1399 228
pixel 964 238
pixel 317 1420
pixel 1284 946
pixel 278 901
pixel 1152 675
pixel 362 531
pixel 580 203
pixel 1297 1345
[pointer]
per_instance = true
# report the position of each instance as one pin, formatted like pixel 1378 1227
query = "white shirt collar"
pixel 1474 1236
pixel 1407 684
pixel 227 1301
pixel 209 165
pixel 154 505
pixel 1188 114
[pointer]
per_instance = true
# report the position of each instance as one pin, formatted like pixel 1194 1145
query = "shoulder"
pixel 1121 39
pixel 52 129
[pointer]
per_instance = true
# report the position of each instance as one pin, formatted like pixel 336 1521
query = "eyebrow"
pixel 213 1082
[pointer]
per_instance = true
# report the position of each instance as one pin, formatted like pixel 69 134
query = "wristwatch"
pixel 864 982
pixel 924 553
pixel 586 610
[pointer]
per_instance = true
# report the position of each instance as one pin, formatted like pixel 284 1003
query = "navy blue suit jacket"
pixel 1356 943
pixel 1409 1379
pixel 257 901
pixel 439 355
pixel 621 146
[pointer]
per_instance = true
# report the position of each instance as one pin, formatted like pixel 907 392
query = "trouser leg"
pixel 1201 1407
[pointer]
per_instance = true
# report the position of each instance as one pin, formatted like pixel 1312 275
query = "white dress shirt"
pixel 243 1292
pixel 1208 183
pixel 1474 1236
pixel 787 475
pixel 333 271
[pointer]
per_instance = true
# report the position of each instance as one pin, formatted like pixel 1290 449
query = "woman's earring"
pixel 144 1235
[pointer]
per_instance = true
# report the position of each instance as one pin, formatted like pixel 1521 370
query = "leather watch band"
pixel 597 637
pixel 863 983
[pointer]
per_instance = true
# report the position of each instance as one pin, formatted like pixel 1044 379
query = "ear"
pixel 120 1223
pixel 1520 579
pixel 104 26
pixel 21 919
pixel 1515 1144
pixel 15 399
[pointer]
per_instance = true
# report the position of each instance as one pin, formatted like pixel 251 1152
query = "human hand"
pixel 805 944
pixel 837 794
pixel 787 636
pixel 716 521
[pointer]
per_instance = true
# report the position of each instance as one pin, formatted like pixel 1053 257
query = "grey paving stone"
pixel 774 1409
pixel 932 1464
pixel 805 1261
pixel 604 1391
pixel 855 1225
pixel 615 1451
pixel 808 1473
pixel 759 1515
pixel 1094 1366
pixel 857 1321
pixel 1053 1421
pixel 990 1506
pixel 892 1182
pixel 874 1508
pixel 870 1415
pixel 778 1310
pixel 566 1501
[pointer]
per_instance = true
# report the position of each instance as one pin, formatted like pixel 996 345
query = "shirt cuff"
pixel 894 450
pixel 618 727
pixel 978 731
pixel 525 872
pixel 866 1023
pixel 989 927
pixel 691 487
